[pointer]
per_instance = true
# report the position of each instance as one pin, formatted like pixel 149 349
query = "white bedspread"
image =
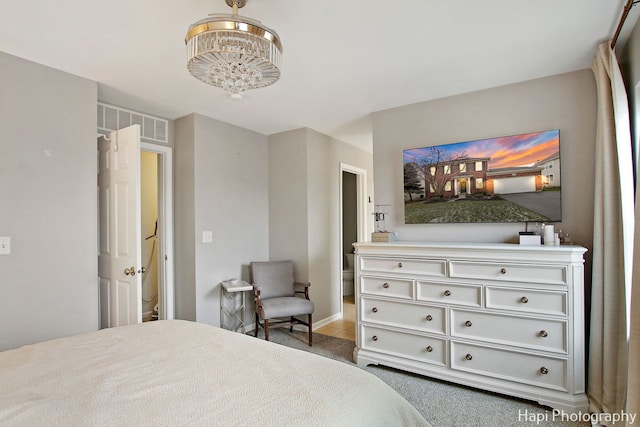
pixel 179 373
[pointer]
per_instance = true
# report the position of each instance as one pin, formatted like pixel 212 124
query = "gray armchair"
pixel 279 296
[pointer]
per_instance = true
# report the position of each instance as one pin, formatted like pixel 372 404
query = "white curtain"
pixel 633 382
pixel 613 233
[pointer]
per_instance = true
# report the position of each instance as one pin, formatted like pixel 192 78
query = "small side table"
pixel 229 292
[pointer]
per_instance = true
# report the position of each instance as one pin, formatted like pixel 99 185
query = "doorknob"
pixel 130 271
pixel 142 270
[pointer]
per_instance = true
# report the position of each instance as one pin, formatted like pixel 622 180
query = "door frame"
pixel 166 288
pixel 361 212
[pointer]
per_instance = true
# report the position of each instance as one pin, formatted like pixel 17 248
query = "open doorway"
pixel 156 169
pixel 127 169
pixel 151 137
pixel 352 229
pixel 150 235
pixel 349 229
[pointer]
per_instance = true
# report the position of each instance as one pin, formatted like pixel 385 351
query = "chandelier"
pixel 233 52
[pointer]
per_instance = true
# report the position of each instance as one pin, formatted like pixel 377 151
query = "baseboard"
pixel 326 321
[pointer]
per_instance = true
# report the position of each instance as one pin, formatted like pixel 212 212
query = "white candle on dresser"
pixel 549 235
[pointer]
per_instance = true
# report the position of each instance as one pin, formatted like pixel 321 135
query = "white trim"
pixel 152 129
pixel 165 224
pixel 326 321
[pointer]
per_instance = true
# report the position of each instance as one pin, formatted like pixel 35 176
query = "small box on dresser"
pixel 501 317
pixel 383 236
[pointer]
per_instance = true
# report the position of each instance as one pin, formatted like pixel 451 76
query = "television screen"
pixel 506 179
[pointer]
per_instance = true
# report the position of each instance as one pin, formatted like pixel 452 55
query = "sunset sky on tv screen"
pixel 504 152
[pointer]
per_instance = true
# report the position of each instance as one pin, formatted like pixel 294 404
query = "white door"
pixel 119 263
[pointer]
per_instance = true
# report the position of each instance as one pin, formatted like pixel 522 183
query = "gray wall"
pixel 566 102
pixel 48 203
pixel 184 218
pixel 220 185
pixel 288 204
pixel 304 209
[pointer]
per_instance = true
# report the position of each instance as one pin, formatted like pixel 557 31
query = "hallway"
pixel 346 327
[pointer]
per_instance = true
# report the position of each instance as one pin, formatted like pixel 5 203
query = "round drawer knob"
pixel 399 265
pixel 429 317
pixel 429 349
pixel 468 323
pixel 524 300
pixel 468 356
pixel 375 338
pixel 544 371
pixel 503 270
pixel 385 285
pixel 447 293
pixel 544 333
pixel 374 309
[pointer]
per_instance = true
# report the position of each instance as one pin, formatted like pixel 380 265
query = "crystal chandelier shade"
pixel 233 52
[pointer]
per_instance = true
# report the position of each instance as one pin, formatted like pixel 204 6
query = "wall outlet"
pixel 5 245
pixel 207 236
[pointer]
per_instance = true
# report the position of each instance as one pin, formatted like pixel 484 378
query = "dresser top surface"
pixel 464 249
pixel 468 245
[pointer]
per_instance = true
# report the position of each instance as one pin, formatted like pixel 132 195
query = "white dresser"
pixel 500 317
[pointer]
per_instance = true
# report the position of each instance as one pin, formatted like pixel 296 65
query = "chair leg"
pixel 266 329
pixel 257 325
pixel 310 332
pixel 291 326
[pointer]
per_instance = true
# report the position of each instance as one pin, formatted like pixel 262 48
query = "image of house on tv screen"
pixel 506 179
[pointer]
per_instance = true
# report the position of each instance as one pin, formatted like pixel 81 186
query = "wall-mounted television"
pixel 505 179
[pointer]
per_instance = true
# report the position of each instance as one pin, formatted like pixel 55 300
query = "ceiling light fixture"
pixel 233 52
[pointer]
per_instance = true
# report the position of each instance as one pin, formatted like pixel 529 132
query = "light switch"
pixel 5 245
pixel 207 236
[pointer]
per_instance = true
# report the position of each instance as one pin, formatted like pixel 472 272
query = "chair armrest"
pixel 258 299
pixel 299 288
pixel 256 290
pixel 305 284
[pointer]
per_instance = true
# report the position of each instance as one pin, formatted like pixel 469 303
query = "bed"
pixel 180 373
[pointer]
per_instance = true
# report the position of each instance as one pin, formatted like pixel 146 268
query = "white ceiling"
pixel 342 59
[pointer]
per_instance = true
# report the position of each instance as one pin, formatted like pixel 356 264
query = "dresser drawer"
pixel 420 317
pixel 417 347
pixel 525 368
pixel 398 288
pixel 450 293
pixel 527 300
pixel 542 334
pixel 423 267
pixel 548 274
